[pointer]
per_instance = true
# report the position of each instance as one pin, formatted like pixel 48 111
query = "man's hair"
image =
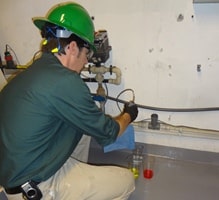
pixel 52 41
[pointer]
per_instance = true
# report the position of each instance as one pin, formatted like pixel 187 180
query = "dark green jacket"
pixel 44 111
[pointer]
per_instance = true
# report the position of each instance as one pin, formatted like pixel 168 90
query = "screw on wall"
pixel 180 18
pixel 198 68
pixel 151 50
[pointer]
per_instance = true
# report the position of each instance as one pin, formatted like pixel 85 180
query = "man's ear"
pixel 73 48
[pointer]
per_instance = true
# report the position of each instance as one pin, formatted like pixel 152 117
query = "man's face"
pixel 75 58
pixel 81 59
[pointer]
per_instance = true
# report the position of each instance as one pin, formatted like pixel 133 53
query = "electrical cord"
pixel 35 55
pixel 181 128
pixel 167 109
pixel 117 98
pixel 7 47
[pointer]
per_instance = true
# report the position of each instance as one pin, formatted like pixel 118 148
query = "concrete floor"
pixel 179 180
pixel 185 175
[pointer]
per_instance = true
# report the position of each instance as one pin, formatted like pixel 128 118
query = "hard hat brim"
pixel 39 22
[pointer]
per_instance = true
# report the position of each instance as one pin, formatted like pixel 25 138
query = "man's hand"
pixel 132 109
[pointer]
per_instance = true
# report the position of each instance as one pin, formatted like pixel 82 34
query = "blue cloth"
pixel 125 141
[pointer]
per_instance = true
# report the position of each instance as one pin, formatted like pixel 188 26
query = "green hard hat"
pixel 71 16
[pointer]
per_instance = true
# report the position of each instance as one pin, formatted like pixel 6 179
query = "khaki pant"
pixel 79 181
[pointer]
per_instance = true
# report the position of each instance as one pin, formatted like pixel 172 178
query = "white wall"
pixel 157 52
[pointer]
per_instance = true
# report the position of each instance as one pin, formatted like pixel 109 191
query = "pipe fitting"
pixel 102 70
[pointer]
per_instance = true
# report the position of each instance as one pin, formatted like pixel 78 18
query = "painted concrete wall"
pixel 157 45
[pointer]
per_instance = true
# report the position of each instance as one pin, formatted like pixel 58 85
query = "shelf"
pixel 205 1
